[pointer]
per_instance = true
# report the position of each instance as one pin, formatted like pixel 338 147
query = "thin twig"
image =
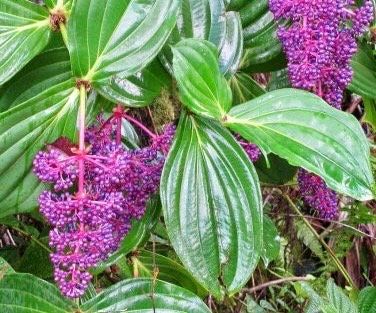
pixel 277 282
pixel 31 237
pixel 333 222
pixel 338 263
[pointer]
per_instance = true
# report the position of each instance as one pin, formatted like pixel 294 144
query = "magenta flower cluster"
pixel 317 195
pixel 89 221
pixel 253 152
pixel 319 44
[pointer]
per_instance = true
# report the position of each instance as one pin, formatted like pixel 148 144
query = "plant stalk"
pixel 64 33
pixel 140 125
pixel 81 161
pixel 338 263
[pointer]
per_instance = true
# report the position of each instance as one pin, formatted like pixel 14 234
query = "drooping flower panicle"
pixel 317 195
pixel 117 183
pixel 319 44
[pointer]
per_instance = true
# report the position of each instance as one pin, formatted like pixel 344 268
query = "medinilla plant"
pixel 78 143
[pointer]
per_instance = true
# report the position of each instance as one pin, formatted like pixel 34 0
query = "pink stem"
pixel 118 125
pixel 81 161
pixel 140 125
pixel 319 91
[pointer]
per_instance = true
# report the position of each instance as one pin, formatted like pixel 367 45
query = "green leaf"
pixel 244 88
pixel 58 4
pixel 364 78
pixel 278 80
pixel 137 236
pixel 337 298
pixel 50 68
pixel 253 307
pixel 168 270
pixel 145 296
pixel 263 50
pixel 211 201
pixel 112 37
pixel 24 32
pixel 370 112
pixel 271 241
pixel 138 90
pixel 5 268
pixel 231 50
pixel 202 87
pixel 24 130
pixel 208 20
pixel 367 300
pixel 310 241
pixel 305 130
pixel 316 301
pixel 275 170
pixel 36 260
pixel 24 293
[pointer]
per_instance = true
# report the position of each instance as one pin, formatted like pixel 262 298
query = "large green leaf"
pixel 302 128
pixel 138 90
pixel 263 50
pixel 168 270
pixel 364 67
pixel 137 236
pixel 24 32
pixel 24 130
pixel 145 296
pixel 207 19
pixel 24 293
pixel 211 201
pixel 367 300
pixel 48 69
pixel 117 36
pixel 202 87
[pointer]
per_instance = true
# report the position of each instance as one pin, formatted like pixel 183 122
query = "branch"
pixel 277 282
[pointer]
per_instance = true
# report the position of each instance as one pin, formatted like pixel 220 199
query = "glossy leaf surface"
pixel 112 37
pixel 202 87
pixel 138 90
pixel 208 20
pixel 50 68
pixel 26 129
pixel 211 201
pixel 263 50
pixel 24 32
pixel 24 293
pixel 144 295
pixel 302 128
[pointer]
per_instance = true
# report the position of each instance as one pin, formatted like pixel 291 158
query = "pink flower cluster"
pixel 319 44
pixel 97 192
